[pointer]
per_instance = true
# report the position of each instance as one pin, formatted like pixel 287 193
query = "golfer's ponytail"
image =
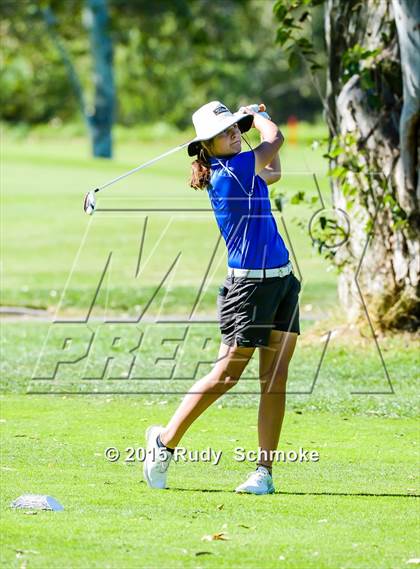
pixel 200 171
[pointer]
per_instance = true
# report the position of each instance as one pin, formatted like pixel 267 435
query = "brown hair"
pixel 200 169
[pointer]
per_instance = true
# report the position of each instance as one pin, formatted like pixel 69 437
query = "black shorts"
pixel 248 309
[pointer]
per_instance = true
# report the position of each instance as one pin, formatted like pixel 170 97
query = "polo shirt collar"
pixel 214 160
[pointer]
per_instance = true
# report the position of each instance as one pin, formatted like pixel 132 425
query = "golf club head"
pixel 89 203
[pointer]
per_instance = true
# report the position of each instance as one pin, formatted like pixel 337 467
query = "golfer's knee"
pixel 226 379
pixel 274 382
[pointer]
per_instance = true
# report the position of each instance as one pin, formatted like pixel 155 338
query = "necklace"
pixel 230 173
pixel 249 194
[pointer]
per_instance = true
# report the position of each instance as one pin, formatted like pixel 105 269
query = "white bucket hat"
pixel 212 119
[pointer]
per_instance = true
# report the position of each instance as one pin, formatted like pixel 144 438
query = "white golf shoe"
pixel 258 482
pixel 156 463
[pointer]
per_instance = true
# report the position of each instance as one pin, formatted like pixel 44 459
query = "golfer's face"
pixel 227 142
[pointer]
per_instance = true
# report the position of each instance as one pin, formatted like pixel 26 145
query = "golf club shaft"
pixel 148 163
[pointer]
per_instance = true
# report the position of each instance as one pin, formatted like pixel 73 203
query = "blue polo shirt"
pixel 245 221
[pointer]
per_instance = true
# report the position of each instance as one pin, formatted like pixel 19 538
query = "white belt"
pixel 261 273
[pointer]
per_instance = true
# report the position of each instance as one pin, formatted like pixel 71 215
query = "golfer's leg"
pixel 230 364
pixel 274 363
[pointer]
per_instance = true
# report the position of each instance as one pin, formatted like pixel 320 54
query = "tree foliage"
pixel 170 57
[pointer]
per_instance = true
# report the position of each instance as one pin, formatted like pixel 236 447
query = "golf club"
pixel 89 203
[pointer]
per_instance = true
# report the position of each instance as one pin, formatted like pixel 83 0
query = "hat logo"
pixel 220 109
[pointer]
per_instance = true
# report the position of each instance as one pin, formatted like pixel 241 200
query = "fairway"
pixel 356 508
pixel 353 508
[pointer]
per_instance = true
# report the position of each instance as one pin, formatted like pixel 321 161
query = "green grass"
pixel 354 508
pixel 350 381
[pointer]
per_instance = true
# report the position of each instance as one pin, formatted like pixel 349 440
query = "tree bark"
pixel 102 118
pixel 99 121
pixel 407 18
pixel 375 100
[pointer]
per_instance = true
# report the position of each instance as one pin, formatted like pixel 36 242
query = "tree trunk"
pixel 102 118
pixel 373 103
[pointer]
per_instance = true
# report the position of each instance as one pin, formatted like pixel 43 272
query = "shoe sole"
pixel 146 476
pixel 272 491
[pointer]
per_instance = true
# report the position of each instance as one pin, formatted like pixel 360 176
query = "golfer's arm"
pixel 272 172
pixel 266 153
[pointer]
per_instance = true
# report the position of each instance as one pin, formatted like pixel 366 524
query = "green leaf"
pixel 282 36
pixel 369 226
pixel 304 43
pixel 294 60
pixel 337 172
pixel 315 66
pixel 304 16
pixel 279 203
pixel 336 152
pixel 297 198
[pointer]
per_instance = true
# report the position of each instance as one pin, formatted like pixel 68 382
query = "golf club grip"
pixel 259 108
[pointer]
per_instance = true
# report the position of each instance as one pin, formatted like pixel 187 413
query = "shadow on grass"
pixel 362 494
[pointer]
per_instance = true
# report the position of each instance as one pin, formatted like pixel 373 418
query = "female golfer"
pixel 258 302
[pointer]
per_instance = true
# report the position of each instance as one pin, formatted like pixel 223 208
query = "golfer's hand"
pixel 249 110
pixel 254 110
